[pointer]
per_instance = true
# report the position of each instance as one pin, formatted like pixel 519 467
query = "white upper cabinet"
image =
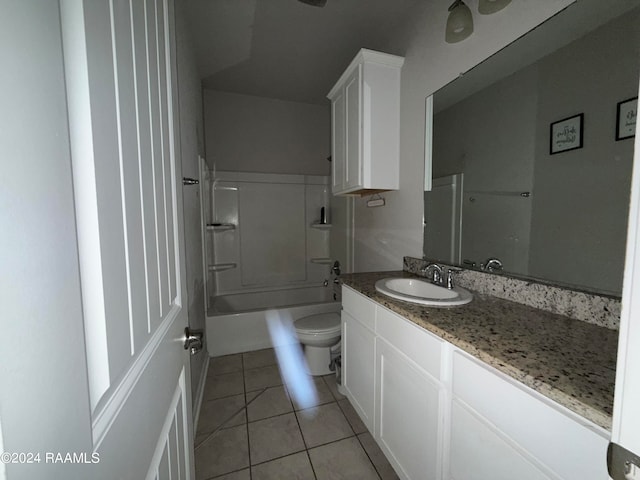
pixel 365 119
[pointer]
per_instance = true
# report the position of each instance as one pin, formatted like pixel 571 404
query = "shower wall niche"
pixel 264 232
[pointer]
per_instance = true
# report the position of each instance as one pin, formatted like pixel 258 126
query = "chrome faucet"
pixel 436 275
pixel 492 265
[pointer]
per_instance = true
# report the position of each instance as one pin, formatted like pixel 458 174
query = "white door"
pixel 95 379
pixel 443 219
pixel 626 409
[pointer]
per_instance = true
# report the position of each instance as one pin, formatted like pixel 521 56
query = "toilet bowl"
pixel 317 334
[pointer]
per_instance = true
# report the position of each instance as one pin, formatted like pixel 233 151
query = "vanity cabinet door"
pixel 408 411
pixel 480 452
pixel 515 425
pixel 358 363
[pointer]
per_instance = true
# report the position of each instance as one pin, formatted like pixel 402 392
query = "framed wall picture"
pixel 626 118
pixel 566 134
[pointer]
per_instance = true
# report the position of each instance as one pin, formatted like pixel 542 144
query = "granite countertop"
pixel 567 360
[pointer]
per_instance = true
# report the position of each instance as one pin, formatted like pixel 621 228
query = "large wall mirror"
pixel 528 164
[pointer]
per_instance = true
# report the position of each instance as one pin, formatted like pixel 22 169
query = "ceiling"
pixel 286 49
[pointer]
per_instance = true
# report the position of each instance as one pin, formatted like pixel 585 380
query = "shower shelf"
pixel 221 267
pixel 321 261
pixel 321 226
pixel 220 227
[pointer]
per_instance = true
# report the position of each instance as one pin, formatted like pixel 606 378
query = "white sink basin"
pixel 423 292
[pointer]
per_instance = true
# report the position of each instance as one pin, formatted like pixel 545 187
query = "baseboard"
pixel 200 393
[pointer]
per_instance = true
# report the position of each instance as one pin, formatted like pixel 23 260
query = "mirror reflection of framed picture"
pixel 566 134
pixel 626 118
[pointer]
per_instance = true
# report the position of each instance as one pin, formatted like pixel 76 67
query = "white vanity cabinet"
pixel 391 371
pixel 440 413
pixel 499 426
pixel 365 119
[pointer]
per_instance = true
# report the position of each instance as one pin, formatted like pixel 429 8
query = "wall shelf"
pixel 321 261
pixel 220 267
pixel 220 227
pixel 321 226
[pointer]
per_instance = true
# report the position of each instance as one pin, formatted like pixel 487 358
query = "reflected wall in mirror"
pixel 498 192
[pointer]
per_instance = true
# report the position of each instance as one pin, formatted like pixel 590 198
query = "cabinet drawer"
pixel 416 343
pixel 572 449
pixel 359 307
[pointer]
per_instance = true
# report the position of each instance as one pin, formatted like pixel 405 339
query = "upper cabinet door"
pixel 366 125
pixel 353 134
pixel 338 130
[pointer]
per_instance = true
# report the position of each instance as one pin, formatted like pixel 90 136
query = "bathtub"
pixel 236 323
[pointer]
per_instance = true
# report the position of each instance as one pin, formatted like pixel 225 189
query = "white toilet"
pixel 318 334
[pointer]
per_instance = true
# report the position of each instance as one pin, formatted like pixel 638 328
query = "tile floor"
pixel 250 428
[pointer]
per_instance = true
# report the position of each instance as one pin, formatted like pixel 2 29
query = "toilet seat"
pixel 320 324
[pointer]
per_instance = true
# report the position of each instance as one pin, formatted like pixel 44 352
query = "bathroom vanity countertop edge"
pixel 566 360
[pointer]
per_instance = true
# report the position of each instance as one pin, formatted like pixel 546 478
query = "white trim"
pixel 180 393
pixel 111 404
pixel 76 71
pixel 204 177
pixel 200 393
pixel 366 56
pixel 626 413
pixel 123 193
pixel 428 143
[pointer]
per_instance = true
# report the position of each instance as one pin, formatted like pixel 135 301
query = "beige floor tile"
pixel 274 437
pixel 225 385
pixel 199 438
pixel 226 364
pixel 259 358
pixel 226 451
pixel 330 380
pixel 239 475
pixel 258 378
pixel 380 462
pixel 323 394
pixel 293 467
pixel 342 460
pixel 352 416
pixel 273 401
pixel 225 412
pixel 323 424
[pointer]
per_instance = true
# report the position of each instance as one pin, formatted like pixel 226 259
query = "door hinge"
pixel 622 464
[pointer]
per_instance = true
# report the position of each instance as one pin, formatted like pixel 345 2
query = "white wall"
pixel 191 145
pixel 254 134
pixel 384 235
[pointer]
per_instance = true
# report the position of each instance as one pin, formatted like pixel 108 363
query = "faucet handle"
pixel 492 264
pixel 450 273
